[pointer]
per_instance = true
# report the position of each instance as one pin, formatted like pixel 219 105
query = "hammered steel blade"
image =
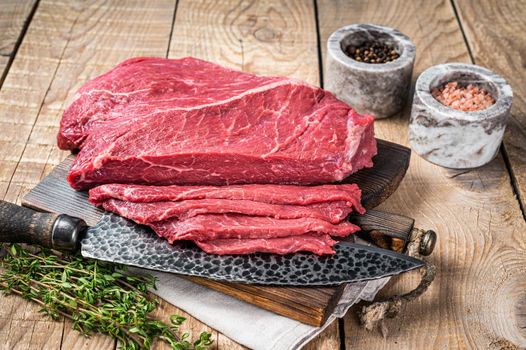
pixel 121 241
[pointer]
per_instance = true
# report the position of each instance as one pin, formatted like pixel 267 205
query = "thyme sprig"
pixel 96 296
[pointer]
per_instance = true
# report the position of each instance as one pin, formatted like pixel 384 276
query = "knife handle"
pixel 23 225
pixel 391 231
pixel 387 230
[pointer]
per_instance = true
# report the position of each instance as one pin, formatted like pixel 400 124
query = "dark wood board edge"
pixel 379 182
pixel 386 230
pixel 310 314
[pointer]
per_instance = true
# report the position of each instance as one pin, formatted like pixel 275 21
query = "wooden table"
pixel 49 48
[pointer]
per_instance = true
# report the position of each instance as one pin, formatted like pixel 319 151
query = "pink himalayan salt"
pixel 467 99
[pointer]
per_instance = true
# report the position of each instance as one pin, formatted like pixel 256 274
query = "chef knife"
pixel 119 240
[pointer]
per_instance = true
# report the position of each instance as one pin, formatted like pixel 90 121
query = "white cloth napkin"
pixel 247 324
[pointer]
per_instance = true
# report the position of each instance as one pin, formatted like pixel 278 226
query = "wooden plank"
pixel 71 339
pixel 14 18
pixel 14 15
pixel 21 326
pixel 481 252
pixel 265 37
pixel 191 325
pixel 495 34
pixel 308 305
pixel 22 93
pixel 67 43
pixel 19 104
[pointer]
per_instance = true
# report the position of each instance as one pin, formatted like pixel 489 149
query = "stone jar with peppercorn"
pixel 370 67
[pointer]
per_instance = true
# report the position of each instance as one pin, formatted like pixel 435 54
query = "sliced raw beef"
pixel 210 227
pixel 318 244
pixel 272 194
pixel 187 121
pixel 143 213
pixel 254 216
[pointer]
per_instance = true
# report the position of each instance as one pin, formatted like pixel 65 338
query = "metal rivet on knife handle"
pixel 68 232
pixel 428 242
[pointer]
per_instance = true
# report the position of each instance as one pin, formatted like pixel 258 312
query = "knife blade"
pixel 119 240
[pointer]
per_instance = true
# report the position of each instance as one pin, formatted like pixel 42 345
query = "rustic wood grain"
pixel 66 43
pixel 71 339
pixel 308 305
pixel 265 37
pixel 481 249
pixel 20 99
pixel 14 17
pixel 191 325
pixel 495 34
pixel 22 93
pixel 22 327
pixel 386 230
pixel 383 178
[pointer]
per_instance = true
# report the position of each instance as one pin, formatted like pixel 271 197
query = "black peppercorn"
pixel 372 52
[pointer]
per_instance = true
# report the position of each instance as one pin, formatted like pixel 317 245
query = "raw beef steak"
pixel 187 121
pixel 318 244
pixel 143 213
pixel 272 194
pixel 209 227
pixel 269 218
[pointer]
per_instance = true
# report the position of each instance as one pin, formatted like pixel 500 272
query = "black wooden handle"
pixel 389 231
pixel 24 225
pixel 388 224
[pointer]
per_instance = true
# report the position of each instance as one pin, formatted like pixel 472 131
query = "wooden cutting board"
pixel 308 305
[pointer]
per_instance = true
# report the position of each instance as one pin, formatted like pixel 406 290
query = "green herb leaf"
pixel 95 296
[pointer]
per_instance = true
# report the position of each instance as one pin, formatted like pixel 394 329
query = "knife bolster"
pixel 67 232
